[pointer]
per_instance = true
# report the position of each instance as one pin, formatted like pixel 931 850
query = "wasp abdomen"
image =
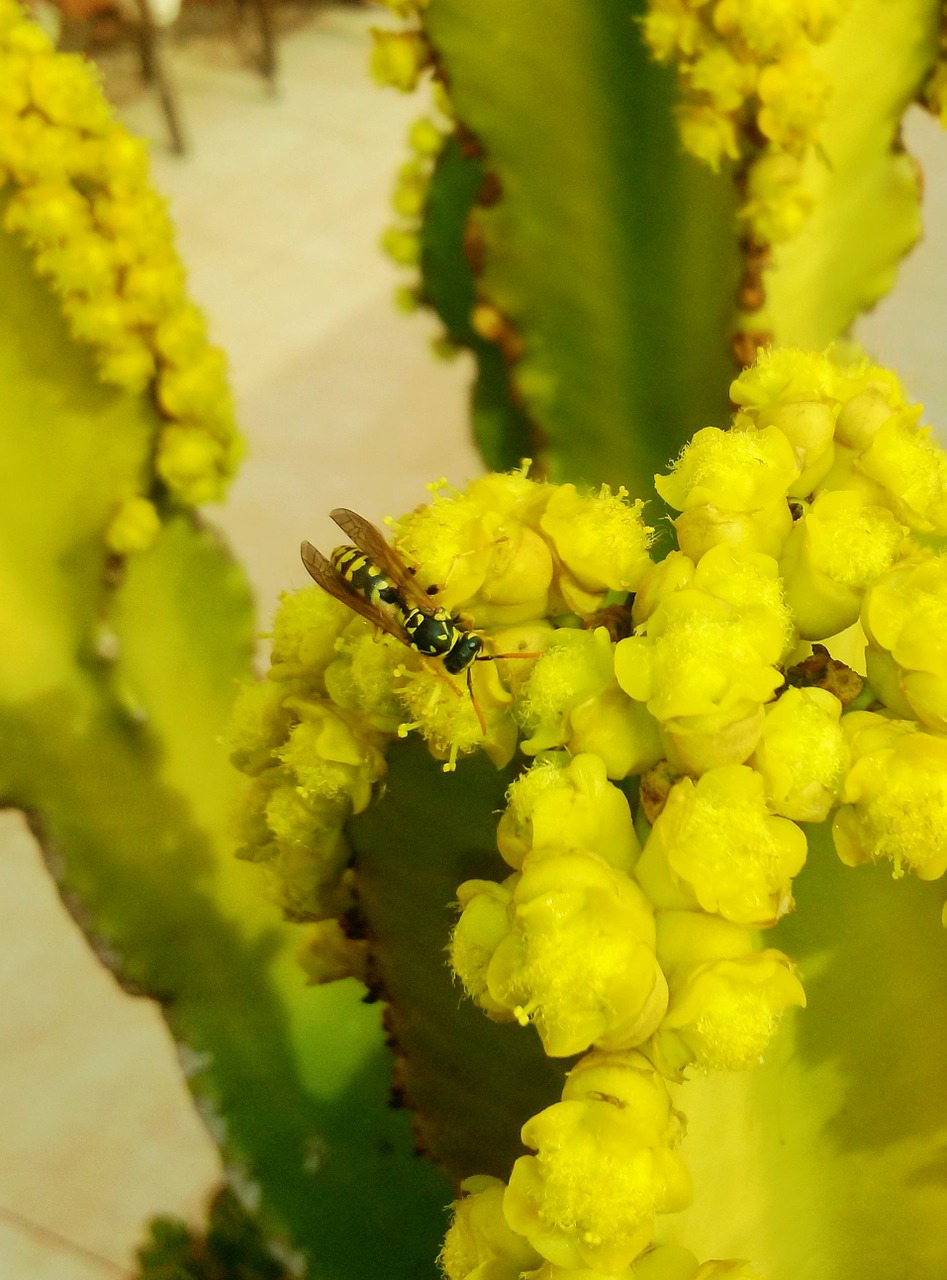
pixel 367 579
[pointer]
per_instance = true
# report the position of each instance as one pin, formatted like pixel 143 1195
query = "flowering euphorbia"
pixel 673 729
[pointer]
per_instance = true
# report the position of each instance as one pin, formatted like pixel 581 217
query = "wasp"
pixel 370 577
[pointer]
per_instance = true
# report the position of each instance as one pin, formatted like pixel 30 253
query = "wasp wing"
pixel 328 577
pixel 381 553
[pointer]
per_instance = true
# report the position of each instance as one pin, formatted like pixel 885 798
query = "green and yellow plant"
pixel 678 1013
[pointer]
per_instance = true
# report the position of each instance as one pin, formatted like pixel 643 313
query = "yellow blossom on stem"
pixel 398 58
pixel 329 759
pixel 732 470
pixel 727 998
pixel 793 96
pixel 578 957
pixel 716 846
pixel 604 1167
pixel 905 618
pixel 837 549
pixel 600 538
pixel 912 469
pixel 479 1245
pixel 802 755
pixel 894 799
pixel 569 804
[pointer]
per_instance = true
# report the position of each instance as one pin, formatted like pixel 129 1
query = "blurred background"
pixel 277 154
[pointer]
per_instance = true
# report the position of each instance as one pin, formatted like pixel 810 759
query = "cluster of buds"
pixel 750 86
pixel 678 723
pixel 78 197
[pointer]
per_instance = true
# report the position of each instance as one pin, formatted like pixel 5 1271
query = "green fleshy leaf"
pixel 112 704
pixel 501 428
pixel 609 251
pixel 473 1083
pixel 827 1162
pixel 866 187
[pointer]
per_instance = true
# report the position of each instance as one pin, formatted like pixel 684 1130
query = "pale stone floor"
pixel 279 207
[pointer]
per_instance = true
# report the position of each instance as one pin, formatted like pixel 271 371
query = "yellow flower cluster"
pixel 77 194
pixel 678 723
pixel 750 90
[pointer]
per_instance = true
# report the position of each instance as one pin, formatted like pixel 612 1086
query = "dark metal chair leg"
pixel 153 72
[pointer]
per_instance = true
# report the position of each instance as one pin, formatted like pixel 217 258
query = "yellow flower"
pixel 705 666
pixel 802 756
pixel 716 846
pixel 767 28
pixel 329 759
pixel 726 81
pixel 732 470
pixel 571 699
pixel 912 469
pixel 793 97
pixel 569 804
pixel 600 538
pixel 777 203
pixel 894 797
pixel 398 58
pixel 708 134
pixel 479 1245
pixel 306 627
pixel 727 999
pixel 134 527
pixel 605 1166
pixel 578 958
pixel 839 547
pixel 905 618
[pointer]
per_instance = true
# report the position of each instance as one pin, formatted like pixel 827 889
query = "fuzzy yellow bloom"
pixel 568 804
pixel 327 954
pixel 708 134
pixel 905 618
pixel 776 204
pixel 259 725
pixel 571 699
pixel 894 800
pixel 731 470
pixel 103 241
pixel 767 28
pixel 362 676
pixel 724 80
pixel 482 549
pixel 726 998
pixel 484 923
pixel 306 627
pixel 912 469
pixel 793 96
pixel 716 846
pixel 839 547
pixel 706 664
pixel 600 539
pixel 479 1244
pixel 578 957
pixel 604 1167
pixel 802 756
pixel 329 758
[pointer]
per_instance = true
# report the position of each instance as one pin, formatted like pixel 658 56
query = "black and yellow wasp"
pixel 372 579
